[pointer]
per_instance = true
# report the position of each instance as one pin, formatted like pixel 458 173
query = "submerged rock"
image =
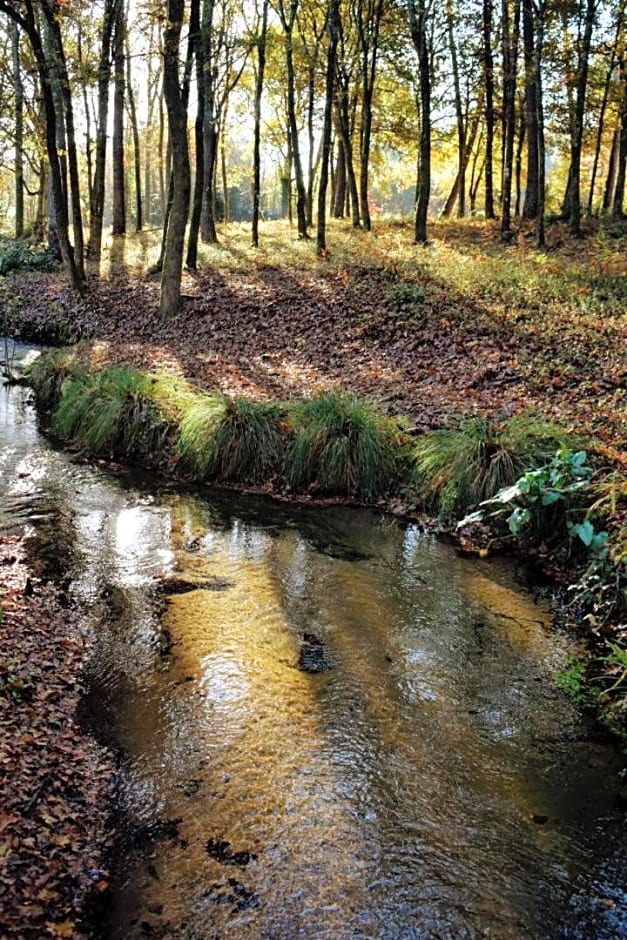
pixel 312 656
pixel 172 586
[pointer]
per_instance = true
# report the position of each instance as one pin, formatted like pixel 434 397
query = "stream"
pixel 329 724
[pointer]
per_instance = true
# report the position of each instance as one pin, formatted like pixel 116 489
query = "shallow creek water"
pixel 330 725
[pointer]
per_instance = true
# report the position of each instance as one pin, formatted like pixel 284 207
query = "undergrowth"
pixel 17 254
pixel 455 468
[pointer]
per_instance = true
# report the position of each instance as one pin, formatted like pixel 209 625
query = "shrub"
pixel 16 254
pixel 456 468
pixel 343 445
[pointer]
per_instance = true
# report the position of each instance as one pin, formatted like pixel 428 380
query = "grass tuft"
pixel 47 374
pixel 107 413
pixel 238 440
pixel 456 468
pixel 343 445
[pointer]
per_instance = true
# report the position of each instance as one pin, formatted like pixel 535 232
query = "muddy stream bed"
pixel 329 724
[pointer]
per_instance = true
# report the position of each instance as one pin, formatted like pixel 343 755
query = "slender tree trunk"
pixel 334 32
pixel 488 77
pixel 139 212
pixel 345 131
pixel 339 195
pixel 510 26
pixel 522 127
pixel 369 16
pixel 530 209
pixel 573 201
pixel 459 113
pixel 104 78
pixel 539 100
pixel 610 179
pixel 418 22
pixel 18 91
pixel 88 139
pixel 261 67
pixel 177 119
pixel 119 93
pixel 287 21
pixel 191 259
pixel 619 187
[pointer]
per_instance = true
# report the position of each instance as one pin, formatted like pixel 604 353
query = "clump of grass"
pixel 171 395
pixel 456 468
pixel 196 444
pixel 47 374
pixel 238 440
pixel 343 445
pixel 107 413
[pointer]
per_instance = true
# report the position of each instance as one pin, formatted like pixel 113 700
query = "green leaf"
pixel 585 531
pixel 518 519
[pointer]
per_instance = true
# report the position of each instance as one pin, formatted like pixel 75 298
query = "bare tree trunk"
pixel 539 100
pixel 287 21
pixel 459 114
pixel 139 213
pixel 191 259
pixel 18 91
pixel 177 119
pixel 610 180
pixel 419 12
pixel 510 27
pixel 261 67
pixel 119 92
pixel 573 197
pixel 488 73
pixel 104 77
pixel 339 195
pixel 619 187
pixel 334 32
pixel 530 209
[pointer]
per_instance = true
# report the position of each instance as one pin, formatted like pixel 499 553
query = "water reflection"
pixel 429 782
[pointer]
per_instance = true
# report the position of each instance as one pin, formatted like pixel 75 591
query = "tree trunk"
pixel 418 22
pixel 368 24
pixel 530 208
pixel 172 271
pixel 619 187
pixel 191 259
pixel 339 195
pixel 334 32
pixel 522 127
pixel 510 28
pixel 139 213
pixel 119 93
pixel 539 100
pixel 261 66
pixel 488 75
pixel 18 91
pixel 104 78
pixel 287 21
pixel 573 200
pixel 459 114
pixel 610 180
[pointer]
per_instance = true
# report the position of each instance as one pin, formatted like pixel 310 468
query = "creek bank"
pixel 56 783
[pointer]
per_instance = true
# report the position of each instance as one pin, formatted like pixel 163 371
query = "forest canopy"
pixel 178 115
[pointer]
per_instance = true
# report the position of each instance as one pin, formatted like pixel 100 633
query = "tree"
pixel 260 44
pixel 334 34
pixel 419 12
pixel 176 104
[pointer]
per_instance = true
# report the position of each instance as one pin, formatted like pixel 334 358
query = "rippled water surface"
pixel 331 726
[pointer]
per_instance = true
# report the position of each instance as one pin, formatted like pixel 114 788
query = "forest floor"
pixel 464 325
